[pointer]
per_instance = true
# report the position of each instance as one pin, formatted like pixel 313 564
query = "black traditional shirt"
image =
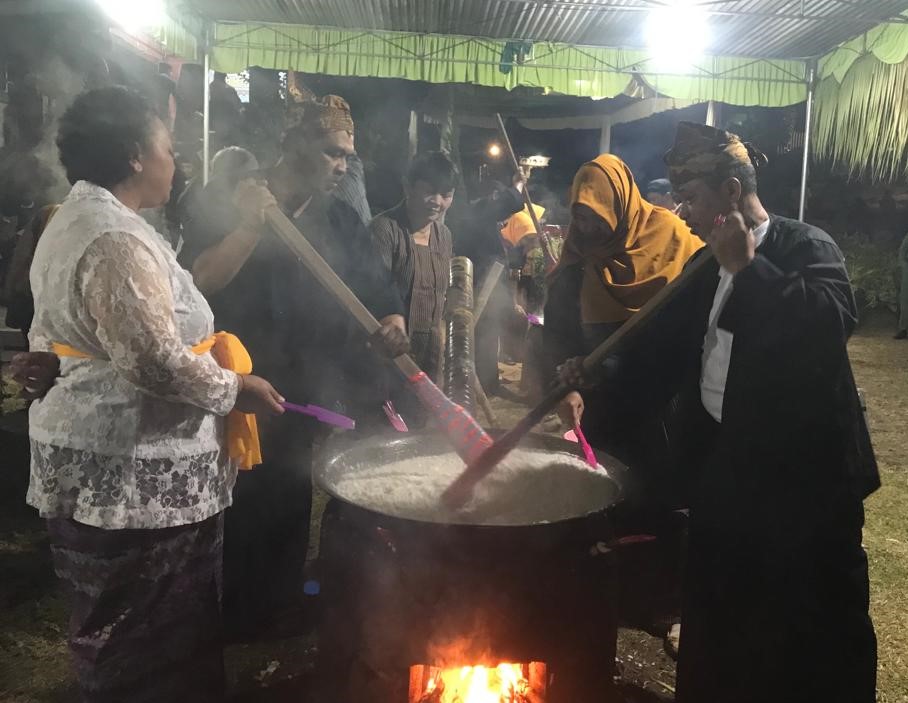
pixel 299 337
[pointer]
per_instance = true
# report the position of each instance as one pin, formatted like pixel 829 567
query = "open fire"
pixel 505 683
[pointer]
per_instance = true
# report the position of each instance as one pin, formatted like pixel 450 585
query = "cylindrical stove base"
pixel 397 595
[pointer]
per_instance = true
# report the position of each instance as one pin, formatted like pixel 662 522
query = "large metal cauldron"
pixel 399 592
pixel 339 460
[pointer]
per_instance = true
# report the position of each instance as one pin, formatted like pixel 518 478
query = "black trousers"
pixel 266 531
pixel 768 620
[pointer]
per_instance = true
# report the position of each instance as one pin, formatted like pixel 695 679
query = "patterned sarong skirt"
pixel 145 623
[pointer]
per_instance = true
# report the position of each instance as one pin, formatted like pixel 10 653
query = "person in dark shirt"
pixel 352 188
pixel 659 192
pixel 163 91
pixel 187 124
pixel 17 290
pixel 477 226
pixel 226 110
pixel 224 215
pixel 295 330
pixel 771 438
pixel 416 246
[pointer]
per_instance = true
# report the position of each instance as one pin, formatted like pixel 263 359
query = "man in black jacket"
pixel 295 331
pixel 772 440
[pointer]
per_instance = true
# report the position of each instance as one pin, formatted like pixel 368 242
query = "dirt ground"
pixel 33 661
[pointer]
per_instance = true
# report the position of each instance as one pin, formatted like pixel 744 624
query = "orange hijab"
pixel 649 249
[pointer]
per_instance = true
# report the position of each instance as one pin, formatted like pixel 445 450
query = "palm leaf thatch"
pixel 861 125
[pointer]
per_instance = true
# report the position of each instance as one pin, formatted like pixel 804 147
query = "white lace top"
pixel 131 438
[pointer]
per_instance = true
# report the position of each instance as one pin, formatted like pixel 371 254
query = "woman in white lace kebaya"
pixel 130 464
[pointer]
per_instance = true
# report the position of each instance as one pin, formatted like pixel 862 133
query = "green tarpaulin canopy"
pixel 571 70
pixel 862 104
pixel 859 48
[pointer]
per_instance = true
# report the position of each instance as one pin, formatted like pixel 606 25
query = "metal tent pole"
pixel 605 136
pixel 206 109
pixel 811 87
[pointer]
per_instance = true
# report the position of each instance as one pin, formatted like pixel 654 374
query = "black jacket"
pixel 477 231
pixel 793 439
pixel 299 337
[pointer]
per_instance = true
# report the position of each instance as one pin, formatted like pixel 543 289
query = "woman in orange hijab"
pixel 620 251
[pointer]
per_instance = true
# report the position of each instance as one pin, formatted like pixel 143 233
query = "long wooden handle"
pixel 504 444
pixel 647 312
pixel 288 233
pixel 544 240
pixel 464 433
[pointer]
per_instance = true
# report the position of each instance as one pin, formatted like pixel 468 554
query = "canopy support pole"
pixel 811 88
pixel 206 109
pixel 605 136
pixel 413 135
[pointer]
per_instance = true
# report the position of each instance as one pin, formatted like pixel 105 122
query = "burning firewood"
pixel 533 697
pixel 434 692
pixel 507 683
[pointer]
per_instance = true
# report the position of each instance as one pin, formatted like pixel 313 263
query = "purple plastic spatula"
pixel 329 417
pixel 394 417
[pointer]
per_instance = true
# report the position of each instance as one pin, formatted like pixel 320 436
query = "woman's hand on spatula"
pixel 391 338
pixel 256 396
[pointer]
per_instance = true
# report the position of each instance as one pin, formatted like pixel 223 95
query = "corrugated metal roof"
pixel 757 28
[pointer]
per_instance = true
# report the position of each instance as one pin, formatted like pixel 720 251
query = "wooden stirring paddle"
pixel 460 491
pixel 465 434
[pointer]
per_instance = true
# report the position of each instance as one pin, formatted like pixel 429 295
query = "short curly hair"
pixel 101 132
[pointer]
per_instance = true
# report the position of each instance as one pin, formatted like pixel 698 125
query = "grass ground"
pixel 34 667
pixel 881 367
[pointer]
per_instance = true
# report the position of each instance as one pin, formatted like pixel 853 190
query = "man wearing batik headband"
pixel 772 439
pixel 299 335
pixel 317 143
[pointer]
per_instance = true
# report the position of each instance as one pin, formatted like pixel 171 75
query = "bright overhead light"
pixel 494 151
pixel 677 35
pixel 133 15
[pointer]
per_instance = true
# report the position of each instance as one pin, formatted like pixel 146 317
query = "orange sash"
pixel 242 430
